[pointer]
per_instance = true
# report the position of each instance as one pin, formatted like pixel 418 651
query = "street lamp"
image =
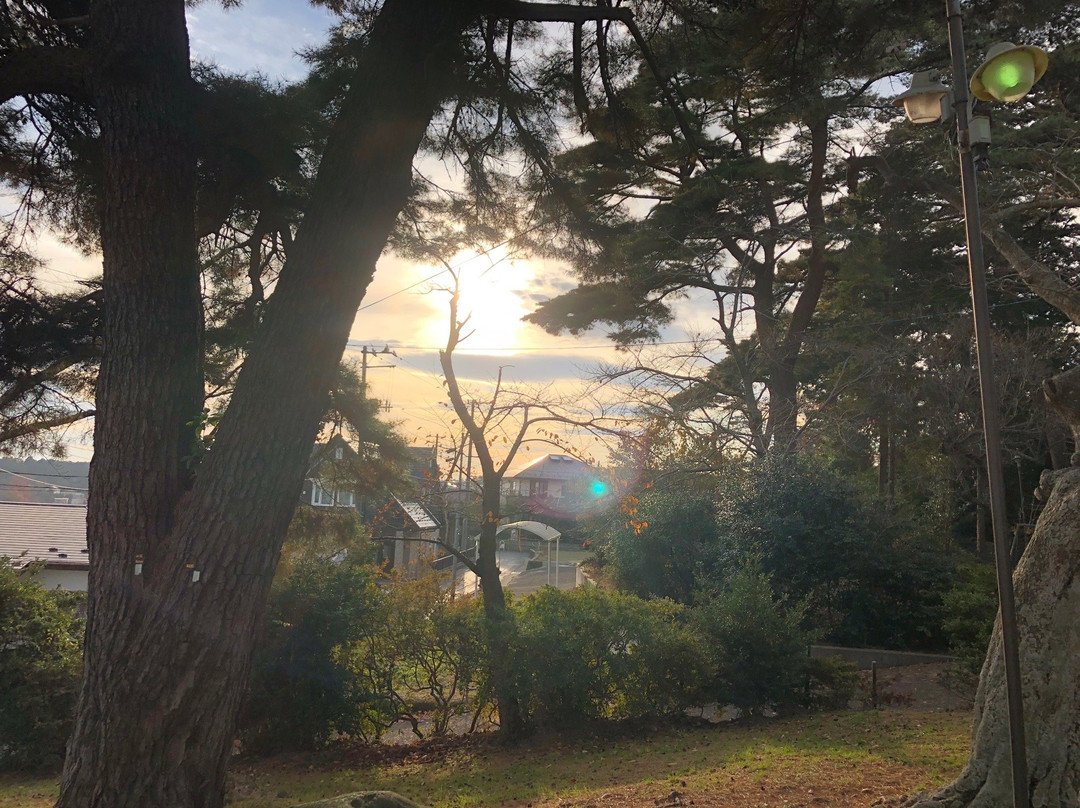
pixel 925 100
pixel 1008 74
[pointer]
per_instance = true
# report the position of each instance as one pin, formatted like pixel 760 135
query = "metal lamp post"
pixel 1007 75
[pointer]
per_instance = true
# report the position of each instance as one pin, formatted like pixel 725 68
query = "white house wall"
pixel 71 580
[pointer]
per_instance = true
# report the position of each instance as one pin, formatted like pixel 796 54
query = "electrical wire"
pixel 43 483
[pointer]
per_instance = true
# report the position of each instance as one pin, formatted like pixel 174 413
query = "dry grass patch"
pixel 835 759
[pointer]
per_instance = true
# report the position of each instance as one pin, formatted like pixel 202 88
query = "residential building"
pixel 554 485
pixel 405 528
pixel 47 540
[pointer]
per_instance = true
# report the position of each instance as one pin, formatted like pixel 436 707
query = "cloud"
pixel 521 368
pixel 261 35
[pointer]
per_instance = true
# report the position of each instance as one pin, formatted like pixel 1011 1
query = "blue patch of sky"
pixel 260 36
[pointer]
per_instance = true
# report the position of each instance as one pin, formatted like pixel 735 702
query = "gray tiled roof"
pixel 550 467
pixel 418 514
pixel 38 531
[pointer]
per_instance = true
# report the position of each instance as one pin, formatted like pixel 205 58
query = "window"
pixel 320 496
pixel 339 453
pixel 328 497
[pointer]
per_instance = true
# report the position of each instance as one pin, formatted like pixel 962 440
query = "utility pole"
pixel 365 352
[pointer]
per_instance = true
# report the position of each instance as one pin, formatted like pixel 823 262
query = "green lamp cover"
pixel 1009 77
pixel 1009 72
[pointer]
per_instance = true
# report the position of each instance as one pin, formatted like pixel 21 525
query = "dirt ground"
pixel 915 688
pixel 861 758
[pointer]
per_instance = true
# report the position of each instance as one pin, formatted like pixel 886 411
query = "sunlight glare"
pixel 494 297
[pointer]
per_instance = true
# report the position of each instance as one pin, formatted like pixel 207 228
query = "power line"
pixel 43 483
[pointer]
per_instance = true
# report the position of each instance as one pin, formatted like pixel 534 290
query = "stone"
pixel 363 799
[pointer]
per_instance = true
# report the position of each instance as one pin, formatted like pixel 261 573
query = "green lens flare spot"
pixel 1010 76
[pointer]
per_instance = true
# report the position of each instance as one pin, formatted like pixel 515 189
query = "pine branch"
pixel 45 70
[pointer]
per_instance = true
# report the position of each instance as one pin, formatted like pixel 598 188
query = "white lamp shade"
pixel 923 108
pixel 922 101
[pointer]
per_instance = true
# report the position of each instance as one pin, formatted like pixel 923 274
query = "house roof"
pixel 321 452
pixel 40 531
pixel 551 467
pixel 418 515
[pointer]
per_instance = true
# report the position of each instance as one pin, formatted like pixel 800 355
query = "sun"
pixel 493 297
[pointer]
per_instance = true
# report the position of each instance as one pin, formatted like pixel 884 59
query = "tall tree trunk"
pixel 181 567
pixel 783 387
pixel 884 457
pixel 499 619
pixel 1047 583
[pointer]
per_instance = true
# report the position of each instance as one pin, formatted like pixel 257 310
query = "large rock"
pixel 364 799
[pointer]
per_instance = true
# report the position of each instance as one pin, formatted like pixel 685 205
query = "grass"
pixel 833 758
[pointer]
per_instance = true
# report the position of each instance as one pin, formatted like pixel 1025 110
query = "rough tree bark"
pixel 182 561
pixel 1047 584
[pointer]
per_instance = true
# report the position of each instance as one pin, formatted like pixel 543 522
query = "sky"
pixel 405 307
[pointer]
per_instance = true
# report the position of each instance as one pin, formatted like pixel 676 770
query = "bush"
pixel 40 669
pixel 303 688
pixel 589 654
pixel 756 646
pixel 831 682
pixel 864 578
pixel 425 652
pixel 971 605
pixel 658 549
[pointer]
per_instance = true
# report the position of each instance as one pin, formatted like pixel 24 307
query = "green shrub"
pixel 864 577
pixel 40 668
pixel 424 653
pixel 304 689
pixel 589 654
pixel 754 640
pixel 831 682
pixel 971 605
pixel 655 546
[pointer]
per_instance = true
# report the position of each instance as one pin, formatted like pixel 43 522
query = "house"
pixel 328 484
pixel 406 527
pixel 554 485
pixel 423 467
pixel 48 540
pixel 46 480
pixel 407 532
